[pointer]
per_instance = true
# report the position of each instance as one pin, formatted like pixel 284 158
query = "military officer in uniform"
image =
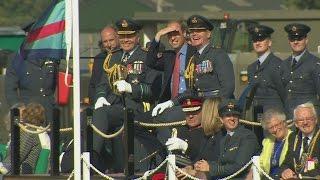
pixel 265 72
pixel 302 159
pixel 125 74
pixel 109 42
pixel 236 147
pixel 264 75
pixel 32 80
pixel 209 72
pixel 300 71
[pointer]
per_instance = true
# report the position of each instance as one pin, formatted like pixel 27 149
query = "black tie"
pixel 305 144
pixel 258 64
pixel 228 137
pixel 125 57
pixel 294 62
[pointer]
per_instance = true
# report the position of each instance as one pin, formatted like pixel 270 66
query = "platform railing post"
pixel 85 165
pixel 55 136
pixel 171 166
pixel 15 141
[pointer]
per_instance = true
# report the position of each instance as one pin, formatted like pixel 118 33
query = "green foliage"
pixel 20 12
pixel 302 4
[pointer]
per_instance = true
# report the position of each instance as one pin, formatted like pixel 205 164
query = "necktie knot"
pixel 125 57
pixel 294 62
pixel 258 64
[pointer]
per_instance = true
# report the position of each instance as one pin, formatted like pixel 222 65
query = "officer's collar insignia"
pixel 194 20
pixel 230 105
pixel 124 23
pixel 294 28
pixel 256 29
pixel 188 102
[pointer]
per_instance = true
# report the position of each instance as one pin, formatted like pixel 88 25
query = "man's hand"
pixel 202 166
pixel 175 143
pixel 164 31
pixel 123 86
pixel 188 169
pixel 161 107
pixel 288 174
pixel 100 102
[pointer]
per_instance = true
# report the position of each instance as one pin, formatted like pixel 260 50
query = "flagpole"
pixel 76 90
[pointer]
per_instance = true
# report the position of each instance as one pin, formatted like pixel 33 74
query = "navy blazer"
pixel 164 62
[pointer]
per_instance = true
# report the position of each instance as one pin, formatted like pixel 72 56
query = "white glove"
pixel 123 86
pixel 175 143
pixel 100 102
pixel 161 107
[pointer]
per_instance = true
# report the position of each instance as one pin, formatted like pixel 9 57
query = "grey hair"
pixel 305 105
pixel 272 113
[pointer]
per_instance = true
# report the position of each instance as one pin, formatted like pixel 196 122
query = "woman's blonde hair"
pixel 34 113
pixel 210 120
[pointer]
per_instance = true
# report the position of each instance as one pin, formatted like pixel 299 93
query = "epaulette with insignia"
pixel 144 49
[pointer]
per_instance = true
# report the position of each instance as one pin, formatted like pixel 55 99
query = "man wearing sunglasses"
pixel 301 70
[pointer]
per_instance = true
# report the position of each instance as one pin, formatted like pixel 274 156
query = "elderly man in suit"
pixel 302 159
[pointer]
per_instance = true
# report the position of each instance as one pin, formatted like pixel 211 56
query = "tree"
pixel 20 12
pixel 302 4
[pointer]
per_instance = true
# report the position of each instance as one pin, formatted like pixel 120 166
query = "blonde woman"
pixel 199 139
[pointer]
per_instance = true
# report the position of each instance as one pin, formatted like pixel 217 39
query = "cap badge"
pixel 188 102
pixel 230 105
pixel 294 28
pixel 194 20
pixel 124 23
pixel 256 30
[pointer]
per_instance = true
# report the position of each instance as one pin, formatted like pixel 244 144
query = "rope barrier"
pixel 161 124
pixel 71 175
pixel 150 172
pixel 107 136
pixel 96 170
pixel 66 129
pixel 261 170
pixel 24 128
pixel 238 172
pixel 184 173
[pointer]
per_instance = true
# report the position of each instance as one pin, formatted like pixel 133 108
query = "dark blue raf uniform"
pixel 97 72
pixel 32 81
pixel 300 74
pixel 236 148
pixel 265 77
pixel 211 72
pixel 145 90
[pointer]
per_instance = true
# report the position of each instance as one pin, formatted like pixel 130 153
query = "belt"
pixel 213 93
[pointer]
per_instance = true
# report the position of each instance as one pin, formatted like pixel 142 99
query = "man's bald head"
pixel 109 38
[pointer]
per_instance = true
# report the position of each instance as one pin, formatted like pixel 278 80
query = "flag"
pixel 49 37
pixel 46 38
